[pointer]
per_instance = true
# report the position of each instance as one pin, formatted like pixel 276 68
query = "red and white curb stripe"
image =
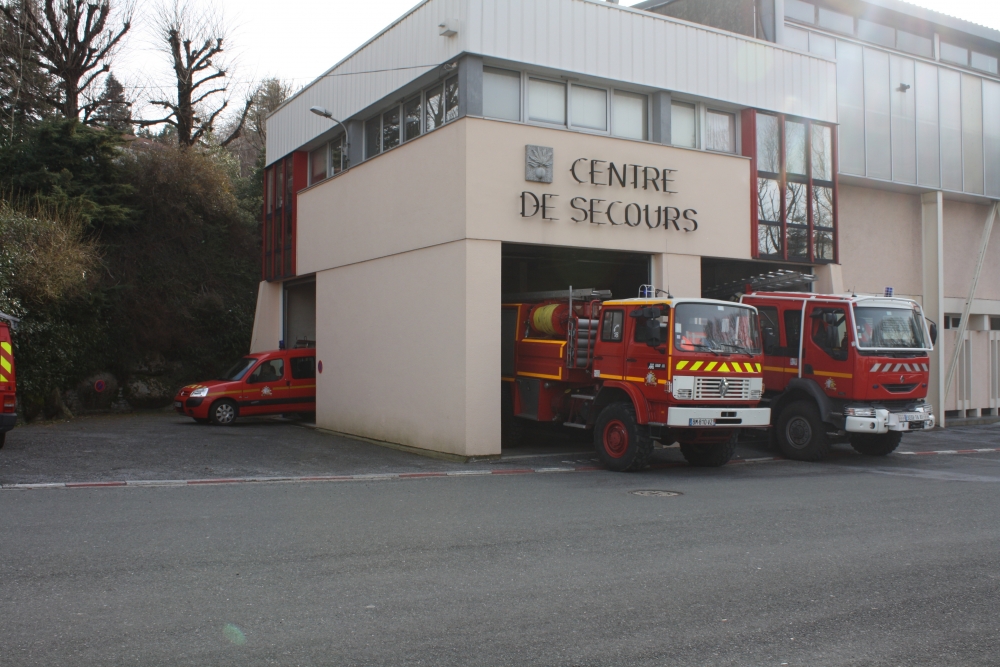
pixel 377 477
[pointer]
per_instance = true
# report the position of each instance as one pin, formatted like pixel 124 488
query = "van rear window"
pixel 303 368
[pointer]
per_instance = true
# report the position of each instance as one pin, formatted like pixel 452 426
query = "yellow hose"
pixel 542 319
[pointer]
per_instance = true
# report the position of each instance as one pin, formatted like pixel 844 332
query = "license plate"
pixel 914 417
pixel 701 421
pixel 177 404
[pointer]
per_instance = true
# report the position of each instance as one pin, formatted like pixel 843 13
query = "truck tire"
pixel 224 413
pixel 620 446
pixel 511 427
pixel 714 455
pixel 801 432
pixel 871 444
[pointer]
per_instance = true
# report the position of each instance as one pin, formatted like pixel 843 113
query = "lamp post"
pixel 320 111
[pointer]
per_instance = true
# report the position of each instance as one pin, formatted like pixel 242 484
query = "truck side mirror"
pixel 654 336
pixel 932 327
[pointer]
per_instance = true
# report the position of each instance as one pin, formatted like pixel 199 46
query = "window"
pixel 611 327
pixel 836 21
pixel 339 159
pixel 829 331
pixel 434 114
pixel 995 324
pixel 373 137
pixel 915 44
pixel 876 33
pixel 589 108
pixel 769 325
pixel 413 112
pixel 882 327
pixel 390 129
pixel 716 328
pixel 793 331
pixel 629 115
pixel 303 368
pixel 720 132
pixel 954 54
pixel 796 200
pixel 501 94
pixel 451 99
pixel 270 191
pixel 984 62
pixel 800 11
pixel 318 164
pixel 547 101
pixel 269 371
pixel 683 126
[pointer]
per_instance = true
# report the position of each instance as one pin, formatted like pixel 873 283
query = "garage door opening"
pixel 527 270
pixel 726 279
pixel 300 314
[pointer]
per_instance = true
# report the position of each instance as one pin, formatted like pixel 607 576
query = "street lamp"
pixel 320 111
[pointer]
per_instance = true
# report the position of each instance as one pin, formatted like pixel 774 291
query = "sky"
pixel 297 40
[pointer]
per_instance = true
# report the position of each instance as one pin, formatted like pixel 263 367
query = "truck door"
pixel 646 360
pixel 302 383
pixel 826 345
pixel 264 386
pixel 609 353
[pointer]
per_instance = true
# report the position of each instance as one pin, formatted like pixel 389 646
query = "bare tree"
pixel 251 144
pixel 73 41
pixel 195 41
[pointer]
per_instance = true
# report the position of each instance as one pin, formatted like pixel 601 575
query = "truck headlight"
pixel 859 412
pixel 200 392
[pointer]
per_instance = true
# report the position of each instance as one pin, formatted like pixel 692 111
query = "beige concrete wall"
pixel 410 346
pixel 678 274
pixel 267 320
pixel 880 241
pixel 963 232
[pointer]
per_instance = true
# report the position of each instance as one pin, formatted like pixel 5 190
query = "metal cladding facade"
pixel 586 37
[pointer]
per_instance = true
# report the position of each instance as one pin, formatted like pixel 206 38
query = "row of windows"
pixel 795 190
pixel 328 160
pixel 876 33
pixel 423 113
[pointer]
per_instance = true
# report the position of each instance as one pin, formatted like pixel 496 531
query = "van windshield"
pixel 890 327
pixel 238 370
pixel 710 327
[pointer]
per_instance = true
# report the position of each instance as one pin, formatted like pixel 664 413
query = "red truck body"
pixel 843 365
pixel 634 371
pixel 8 382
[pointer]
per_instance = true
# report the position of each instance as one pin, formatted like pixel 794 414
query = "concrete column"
pixel 268 322
pixel 932 224
pixel 660 121
pixel 829 279
pixel 678 274
pixel 470 87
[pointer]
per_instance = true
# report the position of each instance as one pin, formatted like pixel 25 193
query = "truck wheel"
pixel 801 432
pixel 224 413
pixel 620 446
pixel 713 455
pixel 511 427
pixel 871 444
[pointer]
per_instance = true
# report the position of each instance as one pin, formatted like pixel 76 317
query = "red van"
pixel 264 383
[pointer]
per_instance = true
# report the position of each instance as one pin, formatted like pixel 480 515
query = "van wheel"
pixel 224 413
pixel 801 432
pixel 620 446
pixel 711 455
pixel 871 444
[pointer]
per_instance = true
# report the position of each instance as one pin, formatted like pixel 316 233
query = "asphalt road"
pixel 857 561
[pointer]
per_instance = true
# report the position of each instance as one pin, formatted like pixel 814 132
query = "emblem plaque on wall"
pixel 538 161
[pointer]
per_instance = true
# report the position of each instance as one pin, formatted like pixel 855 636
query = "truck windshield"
pixel 701 327
pixel 238 370
pixel 890 327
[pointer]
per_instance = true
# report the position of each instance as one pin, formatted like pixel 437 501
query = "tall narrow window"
pixel 589 108
pixel 547 101
pixel 683 127
pixel 412 119
pixel 434 114
pixel 629 115
pixel 501 94
pixel 318 164
pixel 390 129
pixel 338 156
pixel 373 137
pixel 720 132
pixel 451 99
pixel 796 189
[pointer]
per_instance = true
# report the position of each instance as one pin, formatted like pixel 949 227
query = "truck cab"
pixel 638 370
pixel 854 366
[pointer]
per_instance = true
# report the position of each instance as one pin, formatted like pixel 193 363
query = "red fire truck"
pixel 8 386
pixel 634 371
pixel 835 366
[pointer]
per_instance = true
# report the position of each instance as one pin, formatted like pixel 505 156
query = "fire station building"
pixel 481 148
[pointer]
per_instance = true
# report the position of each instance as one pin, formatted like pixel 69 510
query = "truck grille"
pixel 711 389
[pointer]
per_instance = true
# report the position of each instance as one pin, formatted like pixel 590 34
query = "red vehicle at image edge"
pixel 844 366
pixel 8 385
pixel 633 371
pixel 263 383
